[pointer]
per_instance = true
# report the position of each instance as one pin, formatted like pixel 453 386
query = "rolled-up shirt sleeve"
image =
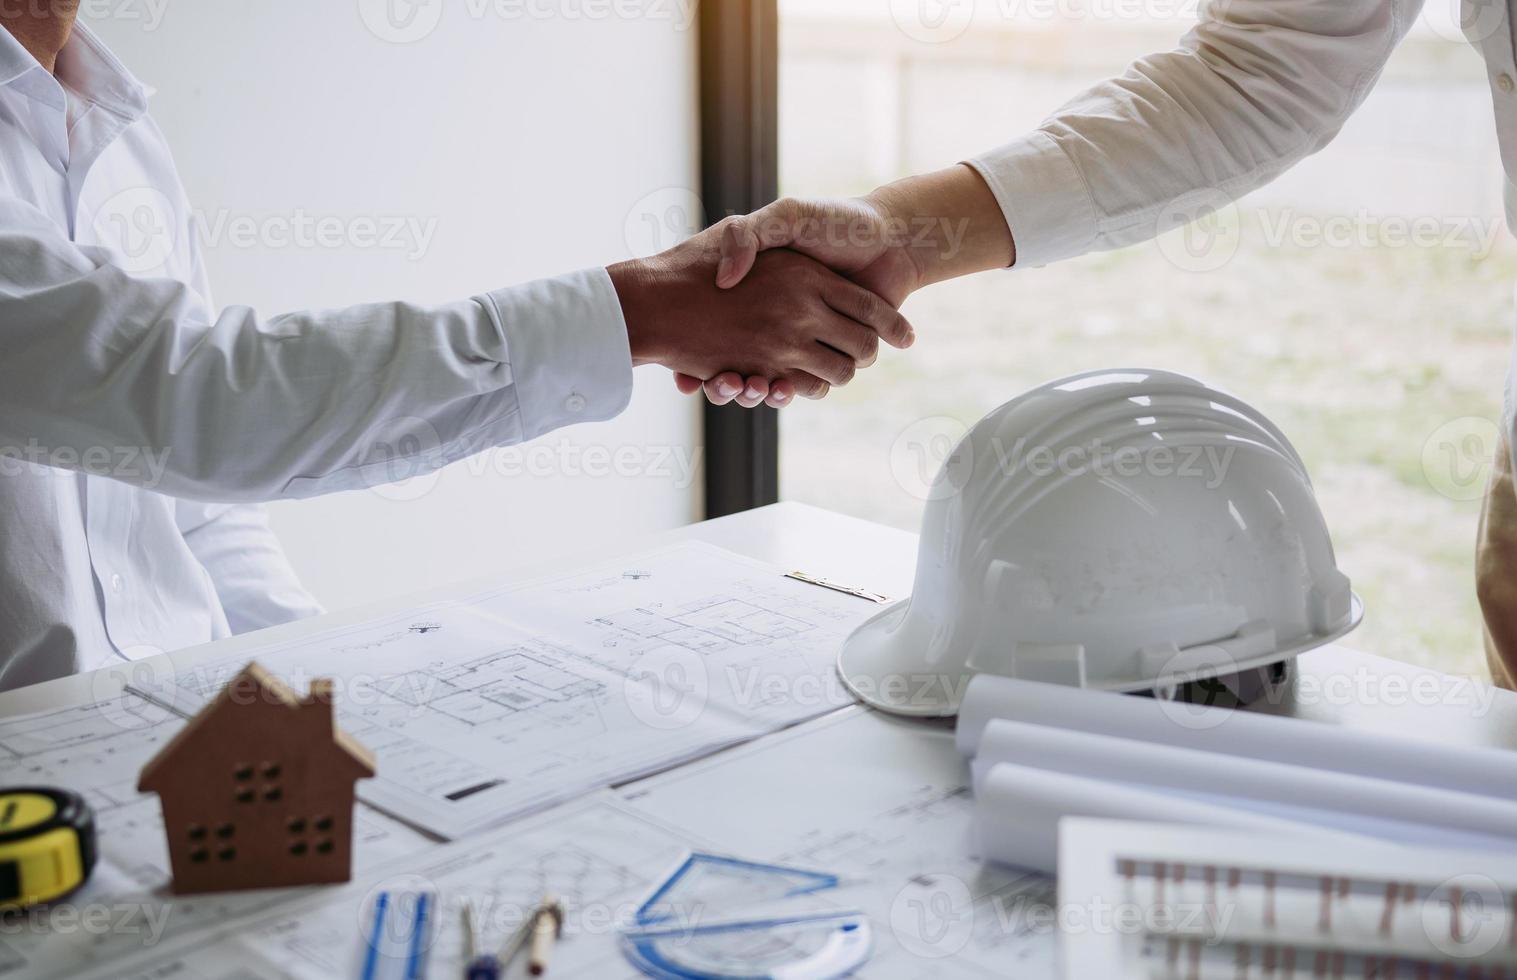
pixel 243 408
pixel 1256 86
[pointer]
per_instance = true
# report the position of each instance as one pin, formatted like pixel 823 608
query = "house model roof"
pixel 254 681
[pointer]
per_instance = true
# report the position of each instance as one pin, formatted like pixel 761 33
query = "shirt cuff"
pixel 1046 203
pixel 567 348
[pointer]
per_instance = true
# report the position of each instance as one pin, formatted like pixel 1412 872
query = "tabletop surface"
pixel 1335 684
pixel 865 777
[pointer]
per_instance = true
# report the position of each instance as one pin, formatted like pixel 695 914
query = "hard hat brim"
pixel 880 673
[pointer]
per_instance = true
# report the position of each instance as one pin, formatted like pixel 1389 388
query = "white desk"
pixel 1336 683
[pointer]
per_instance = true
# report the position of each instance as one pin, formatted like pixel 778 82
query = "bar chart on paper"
pixel 1207 904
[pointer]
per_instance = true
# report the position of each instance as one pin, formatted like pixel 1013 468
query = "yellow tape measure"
pixel 47 845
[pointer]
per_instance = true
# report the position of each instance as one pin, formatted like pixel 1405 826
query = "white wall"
pixel 527 137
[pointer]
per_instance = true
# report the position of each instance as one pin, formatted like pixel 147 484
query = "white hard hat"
pixel 1127 530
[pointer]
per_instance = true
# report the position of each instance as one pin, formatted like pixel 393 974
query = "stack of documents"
pixel 1146 902
pixel 1043 752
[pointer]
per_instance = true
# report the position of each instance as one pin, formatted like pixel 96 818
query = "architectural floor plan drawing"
pixel 712 625
pixel 887 807
pixel 596 856
pixel 484 709
pixel 735 635
pixel 97 750
pixel 492 688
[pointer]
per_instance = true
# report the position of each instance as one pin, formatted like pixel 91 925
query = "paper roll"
pixel 1400 812
pixel 1018 809
pixel 1477 771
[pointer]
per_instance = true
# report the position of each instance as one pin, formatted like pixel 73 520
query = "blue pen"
pixel 399 939
pixel 490 966
pixel 416 958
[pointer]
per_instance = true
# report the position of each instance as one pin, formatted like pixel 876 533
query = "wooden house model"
pixel 257 789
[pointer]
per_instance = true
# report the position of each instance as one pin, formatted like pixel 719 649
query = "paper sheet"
pixel 483 709
pixel 1354 804
pixel 885 803
pixel 96 750
pixel 599 859
pixel 1018 810
pixel 1149 902
pixel 1479 771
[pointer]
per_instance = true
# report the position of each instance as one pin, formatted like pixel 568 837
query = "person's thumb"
pixel 745 236
pixel 740 248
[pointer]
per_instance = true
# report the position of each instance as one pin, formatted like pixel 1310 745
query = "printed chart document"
pixel 97 751
pixel 1189 903
pixel 598 858
pixel 886 804
pixel 483 709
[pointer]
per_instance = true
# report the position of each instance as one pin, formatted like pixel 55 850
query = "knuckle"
pixel 730 230
pixel 792 209
pixel 871 308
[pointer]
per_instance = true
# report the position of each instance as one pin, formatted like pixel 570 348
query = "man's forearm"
pixel 950 221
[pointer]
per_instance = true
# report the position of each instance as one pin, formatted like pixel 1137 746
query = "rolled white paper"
pixel 1478 771
pixel 1401 812
pixel 1018 809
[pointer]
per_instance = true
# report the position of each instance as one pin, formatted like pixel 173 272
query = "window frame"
pixel 739 100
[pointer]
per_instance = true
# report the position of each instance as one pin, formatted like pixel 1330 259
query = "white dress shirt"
pixel 139 426
pixel 1255 87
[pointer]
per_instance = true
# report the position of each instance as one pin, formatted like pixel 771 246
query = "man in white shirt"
pixel 139 427
pixel 1255 87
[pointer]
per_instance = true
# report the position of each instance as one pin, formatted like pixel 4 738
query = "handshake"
pixel 793 299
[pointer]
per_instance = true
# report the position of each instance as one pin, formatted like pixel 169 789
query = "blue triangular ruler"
pixel 715 883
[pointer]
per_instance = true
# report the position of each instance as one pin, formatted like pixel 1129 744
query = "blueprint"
pixel 887 805
pixel 484 709
pixel 598 858
pixel 97 751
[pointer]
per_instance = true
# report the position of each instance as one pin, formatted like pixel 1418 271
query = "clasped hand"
pixel 789 301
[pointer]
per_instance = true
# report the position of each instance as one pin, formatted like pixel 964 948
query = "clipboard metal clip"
pixel 837 587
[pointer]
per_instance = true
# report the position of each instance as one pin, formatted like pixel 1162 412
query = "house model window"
pixel 257 789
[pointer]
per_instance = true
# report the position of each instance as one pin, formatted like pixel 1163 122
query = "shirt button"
pixel 574 404
pixel 1504 82
pixel 116 584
